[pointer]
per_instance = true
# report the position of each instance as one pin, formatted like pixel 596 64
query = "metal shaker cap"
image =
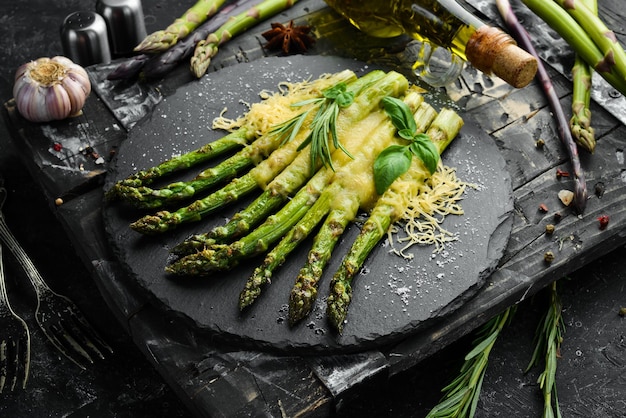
pixel 84 38
pixel 125 23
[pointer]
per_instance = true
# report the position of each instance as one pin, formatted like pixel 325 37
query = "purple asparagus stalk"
pixel 565 134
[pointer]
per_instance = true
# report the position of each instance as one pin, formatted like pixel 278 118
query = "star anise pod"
pixel 290 39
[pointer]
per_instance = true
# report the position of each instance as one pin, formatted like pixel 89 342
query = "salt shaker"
pixel 84 38
pixel 125 24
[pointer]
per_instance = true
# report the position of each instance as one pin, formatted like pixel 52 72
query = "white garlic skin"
pixel 50 89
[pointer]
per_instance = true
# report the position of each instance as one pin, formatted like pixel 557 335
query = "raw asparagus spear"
pixel 304 292
pixel 181 27
pixel 206 49
pixel 341 193
pixel 224 257
pixel 442 131
pixel 602 61
pixel 152 66
pixel 580 122
pixel 367 93
pixel 601 35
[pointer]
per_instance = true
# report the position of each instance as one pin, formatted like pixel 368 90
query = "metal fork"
pixel 59 318
pixel 14 340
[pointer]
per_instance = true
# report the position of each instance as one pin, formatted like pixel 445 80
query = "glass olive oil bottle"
pixel 446 24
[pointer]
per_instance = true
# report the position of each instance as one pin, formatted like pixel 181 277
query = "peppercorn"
pixel 549 228
pixel 604 221
pixel 548 256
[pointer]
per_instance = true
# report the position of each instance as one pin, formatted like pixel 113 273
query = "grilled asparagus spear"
pixel 304 292
pixel 442 131
pixel 222 257
pixel 340 194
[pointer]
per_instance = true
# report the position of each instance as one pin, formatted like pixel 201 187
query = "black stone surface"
pixel 393 296
pixel 590 375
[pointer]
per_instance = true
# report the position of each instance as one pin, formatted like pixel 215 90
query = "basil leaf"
pixel 400 114
pixel 334 91
pixel 426 151
pixel 391 163
pixel 406 134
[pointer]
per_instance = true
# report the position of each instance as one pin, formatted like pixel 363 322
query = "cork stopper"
pixel 494 52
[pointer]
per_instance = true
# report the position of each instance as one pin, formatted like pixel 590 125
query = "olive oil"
pixel 446 24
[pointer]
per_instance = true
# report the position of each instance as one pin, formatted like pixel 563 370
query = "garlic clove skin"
pixel 50 89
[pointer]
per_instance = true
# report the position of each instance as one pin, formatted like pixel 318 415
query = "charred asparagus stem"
pixel 181 27
pixel 580 122
pixel 340 193
pixel 304 292
pixel 442 131
pixel 206 49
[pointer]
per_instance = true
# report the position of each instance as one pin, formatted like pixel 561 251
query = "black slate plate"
pixel 392 296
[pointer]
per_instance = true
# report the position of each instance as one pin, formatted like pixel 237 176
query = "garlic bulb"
pixel 50 89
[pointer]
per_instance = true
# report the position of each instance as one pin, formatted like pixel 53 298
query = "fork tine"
pixel 3 364
pixel 92 338
pixel 24 355
pixel 8 365
pixel 65 344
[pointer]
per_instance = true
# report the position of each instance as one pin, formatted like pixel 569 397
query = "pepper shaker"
pixel 125 23
pixel 84 38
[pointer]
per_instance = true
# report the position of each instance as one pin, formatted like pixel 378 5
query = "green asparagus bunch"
pixel 262 174
pixel 442 131
pixel 219 257
pixel 588 36
pixel 206 49
pixel 301 193
pixel 339 195
pixel 161 40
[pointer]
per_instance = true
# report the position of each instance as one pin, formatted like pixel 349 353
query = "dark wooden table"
pixel 215 380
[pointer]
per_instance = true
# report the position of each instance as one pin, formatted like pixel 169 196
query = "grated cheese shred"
pixel 276 107
pixel 420 222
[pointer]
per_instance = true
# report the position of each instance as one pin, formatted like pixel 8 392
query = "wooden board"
pixel 393 297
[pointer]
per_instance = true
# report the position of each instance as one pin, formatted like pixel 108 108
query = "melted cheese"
pixel 365 141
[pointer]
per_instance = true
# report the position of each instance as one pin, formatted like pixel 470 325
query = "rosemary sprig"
pixel 548 339
pixel 324 124
pixel 395 160
pixel 461 396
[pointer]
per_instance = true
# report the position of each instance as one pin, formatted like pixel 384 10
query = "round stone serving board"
pixel 393 297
